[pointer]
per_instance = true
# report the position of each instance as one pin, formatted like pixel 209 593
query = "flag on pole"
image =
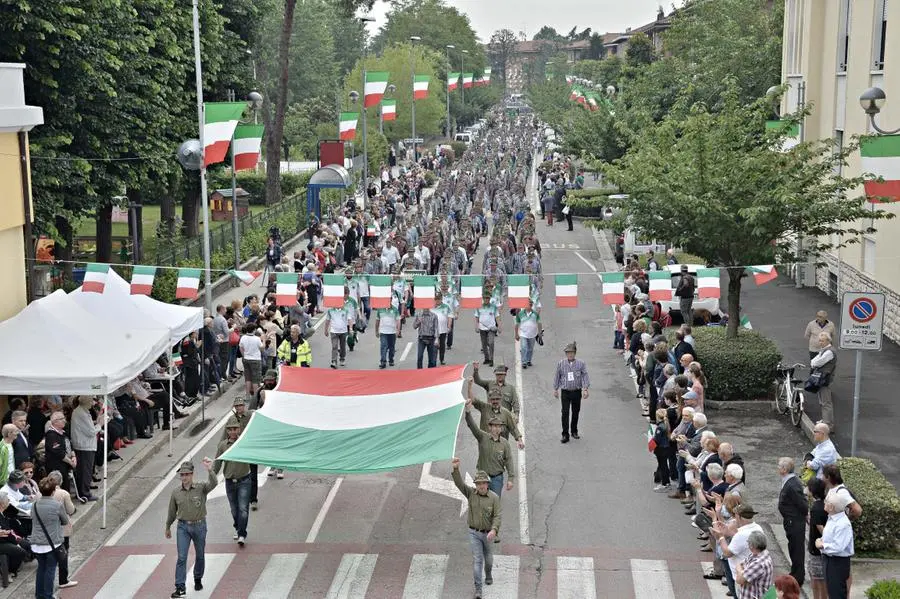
pixel 420 87
pixel 470 291
pixel 371 231
pixel 793 133
pixel 566 291
pixel 348 125
pixel 95 277
pixel 219 121
pixel 247 144
pixel 333 290
pixel 468 79
pixel 763 274
pixel 881 157
pixel 423 291
pixel 707 282
pixel 453 81
pixel 660 285
pixel 142 279
pixel 286 288
pixel 245 276
pixel 176 359
pixel 518 290
pixel 613 287
pixel 651 442
pixel 380 291
pixel 188 283
pixel 745 322
pixel 389 110
pixel 376 84
pixel 486 76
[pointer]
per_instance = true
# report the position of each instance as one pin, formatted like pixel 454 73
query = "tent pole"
pixel 105 454
pixel 171 414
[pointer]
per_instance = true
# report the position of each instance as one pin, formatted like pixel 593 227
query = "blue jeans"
pixel 45 576
pixel 232 361
pixel 238 493
pixel 496 483
pixel 388 342
pixel 187 532
pixel 680 467
pixel 618 340
pixel 367 310
pixel 427 345
pixel 526 348
pixel 482 555
pixel 729 577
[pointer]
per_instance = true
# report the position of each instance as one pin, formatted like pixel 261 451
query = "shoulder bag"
pixel 60 552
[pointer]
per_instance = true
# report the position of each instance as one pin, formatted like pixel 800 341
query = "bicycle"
pixel 789 395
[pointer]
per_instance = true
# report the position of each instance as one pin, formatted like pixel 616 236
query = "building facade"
pixel 833 50
pixel 16 119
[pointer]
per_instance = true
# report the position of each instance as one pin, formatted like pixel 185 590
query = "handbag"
pixel 234 339
pixel 815 380
pixel 540 338
pixel 703 521
pixel 60 552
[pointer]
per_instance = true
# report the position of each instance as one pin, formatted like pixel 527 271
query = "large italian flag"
pixel 470 291
pixel 348 125
pixel 389 110
pixel 453 81
pixel 142 279
pixel 286 288
pixel 247 143
pixel 95 277
pixel 376 84
pixel 468 80
pixel 613 287
pixel 188 283
pixel 380 291
pixel 660 285
pixel 219 121
pixel 420 87
pixel 566 291
pixel 423 291
pixel 333 290
pixel 360 422
pixel 518 290
pixel 708 282
pixel 881 157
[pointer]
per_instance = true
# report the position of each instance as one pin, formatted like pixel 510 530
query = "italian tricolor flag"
pixel 363 421
pixel 453 81
pixel 881 157
pixel 286 288
pixel 188 283
pixel 763 274
pixel 519 290
pixel 485 77
pixel 651 442
pixel 389 110
pixel 348 125
pixel 420 87
pixel 142 280
pixel 566 291
pixel 95 277
pixel 247 143
pixel 423 291
pixel 333 290
pixel 376 84
pixel 219 121
pixel 792 136
pixel 470 291
pixel 707 282
pixel 245 276
pixel 176 359
pixel 380 291
pixel 660 285
pixel 371 231
pixel 468 79
pixel 613 287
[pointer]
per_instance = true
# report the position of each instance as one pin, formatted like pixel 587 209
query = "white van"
pixel 466 138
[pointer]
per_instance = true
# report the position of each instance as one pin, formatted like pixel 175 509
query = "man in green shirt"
pixel 188 505
pixel 484 523
pixel 508 396
pixel 494 453
pixel 493 410
pixel 238 485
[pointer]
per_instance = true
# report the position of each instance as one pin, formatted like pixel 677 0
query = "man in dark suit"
pixel 793 506
pixel 22 449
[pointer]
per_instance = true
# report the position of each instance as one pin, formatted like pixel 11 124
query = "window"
pixel 869 256
pixel 879 36
pixel 832 285
pixel 794 34
pixel 843 42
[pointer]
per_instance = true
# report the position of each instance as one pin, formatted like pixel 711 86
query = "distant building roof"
pixel 226 193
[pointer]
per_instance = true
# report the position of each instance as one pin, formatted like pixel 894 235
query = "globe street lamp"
pixel 872 100
pixel 413 39
pixel 365 20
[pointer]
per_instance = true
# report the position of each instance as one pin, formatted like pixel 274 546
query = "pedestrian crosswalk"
pixel 324 574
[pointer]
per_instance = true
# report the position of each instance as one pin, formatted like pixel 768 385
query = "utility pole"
pixel 413 39
pixel 365 184
pixel 447 84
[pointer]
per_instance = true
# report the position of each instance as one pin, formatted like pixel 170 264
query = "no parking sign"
pixel 862 317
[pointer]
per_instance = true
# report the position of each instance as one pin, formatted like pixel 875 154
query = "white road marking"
pixel 716 590
pixel 216 567
pixel 506 578
pixel 130 576
pixel 426 577
pixel 323 511
pixel 586 261
pixel 442 486
pixel 524 520
pixel 261 477
pixel 278 577
pixel 575 578
pixel 353 575
pixel 406 349
pixel 651 579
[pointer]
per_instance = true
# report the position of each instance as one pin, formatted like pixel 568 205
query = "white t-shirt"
pixel 339 319
pixel 739 546
pixel 528 324
pixel 487 318
pixel 840 491
pixel 388 318
pixel 390 255
pixel 250 347
pixel 443 318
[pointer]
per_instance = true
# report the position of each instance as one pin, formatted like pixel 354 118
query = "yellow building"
pixel 833 51
pixel 16 119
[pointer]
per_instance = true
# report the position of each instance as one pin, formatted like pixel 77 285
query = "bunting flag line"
pixel 333 290
pixel 660 286
pixel 380 291
pixel 188 283
pixel 348 125
pixel 468 80
pixel 518 290
pixel 566 291
pixel 708 283
pixel 423 291
pixel 376 84
pixel 470 291
pixel 246 148
pixel 486 76
pixel 881 157
pixel 219 122
pixel 613 287
pixel 286 288
pixel 389 110
pixel 763 274
pixel 420 87
pixel 453 81
pixel 142 279
pixel 245 276
pixel 95 277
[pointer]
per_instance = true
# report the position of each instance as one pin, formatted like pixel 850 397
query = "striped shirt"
pixel 571 375
pixel 759 574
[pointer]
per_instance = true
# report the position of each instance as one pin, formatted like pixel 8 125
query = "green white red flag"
pixel 613 287
pixel 142 279
pixel 485 78
pixel 389 110
pixel 423 291
pixel 651 442
pixel 453 81
pixel 763 274
pixel 219 122
pixel 286 288
pixel 660 285
pixel 245 276
pixel 188 283
pixel 793 133
pixel 333 290
pixel 468 80
pixel 881 157
pixel 376 84
pixel 348 125
pixel 566 291
pixel 470 291
pixel 380 291
pixel 518 290
pixel 247 144
pixel 708 282
pixel 95 278
pixel 420 87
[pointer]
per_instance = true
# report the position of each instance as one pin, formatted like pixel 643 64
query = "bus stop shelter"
pixel 332 176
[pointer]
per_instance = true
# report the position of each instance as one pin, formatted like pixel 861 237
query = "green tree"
pixel 501 48
pixel 640 51
pixel 548 33
pixel 716 185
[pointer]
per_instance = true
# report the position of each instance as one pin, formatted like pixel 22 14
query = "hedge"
pixel 878 529
pixel 255 183
pixel 736 369
pixel 884 589
pixel 591 192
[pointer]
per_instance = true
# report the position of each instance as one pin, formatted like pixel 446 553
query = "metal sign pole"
pixel 856 385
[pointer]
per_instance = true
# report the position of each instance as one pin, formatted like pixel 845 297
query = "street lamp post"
pixel 413 39
pixel 871 101
pixel 449 68
pixel 354 98
pixel 462 89
pixel 204 200
pixel 365 185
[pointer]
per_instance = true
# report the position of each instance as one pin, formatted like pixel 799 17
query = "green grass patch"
pixel 150 217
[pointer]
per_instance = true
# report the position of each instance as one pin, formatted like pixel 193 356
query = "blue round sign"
pixel 863 310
